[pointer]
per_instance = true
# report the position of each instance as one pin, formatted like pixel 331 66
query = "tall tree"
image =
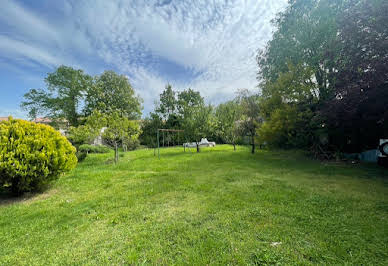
pixel 65 91
pixel 196 122
pixel 227 121
pixel 149 127
pixel 120 129
pixel 112 92
pixel 189 98
pixel 357 114
pixel 305 31
pixel 251 117
pixel 167 103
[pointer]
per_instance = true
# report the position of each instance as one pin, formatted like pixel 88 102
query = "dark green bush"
pixel 32 155
pixel 81 156
pixel 93 148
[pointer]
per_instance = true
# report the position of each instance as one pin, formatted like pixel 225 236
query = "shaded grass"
pixel 216 207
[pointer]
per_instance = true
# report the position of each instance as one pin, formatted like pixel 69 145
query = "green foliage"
pixel 167 103
pixel 305 32
pixel 227 117
pixel 113 93
pixel 287 127
pixel 87 148
pixel 65 90
pixel 197 122
pixel 327 59
pixel 32 155
pixel 89 131
pixel 176 110
pixel 120 130
pixel 251 117
pixel 81 156
pixel 149 126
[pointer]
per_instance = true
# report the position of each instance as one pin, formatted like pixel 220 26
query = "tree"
pixel 149 127
pixel 65 91
pixel 357 113
pixel 305 32
pixel 167 103
pixel 89 131
pixel 113 93
pixel 196 122
pixel 119 129
pixel 189 98
pixel 286 106
pixel 251 117
pixel 227 119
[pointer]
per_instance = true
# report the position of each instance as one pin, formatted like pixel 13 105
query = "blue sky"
pixel 206 45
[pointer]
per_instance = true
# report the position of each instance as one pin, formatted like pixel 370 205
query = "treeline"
pixel 231 122
pixel 324 76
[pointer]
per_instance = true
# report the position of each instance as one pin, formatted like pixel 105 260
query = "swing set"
pixel 166 131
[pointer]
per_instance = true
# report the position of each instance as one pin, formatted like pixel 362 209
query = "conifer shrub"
pixel 32 155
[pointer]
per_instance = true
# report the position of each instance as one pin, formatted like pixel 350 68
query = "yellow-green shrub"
pixel 32 155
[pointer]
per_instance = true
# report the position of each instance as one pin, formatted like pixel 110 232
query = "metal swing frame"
pixel 165 130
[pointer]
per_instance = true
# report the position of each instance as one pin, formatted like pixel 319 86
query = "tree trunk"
pixel 197 147
pixel 116 153
pixel 234 146
pixel 253 144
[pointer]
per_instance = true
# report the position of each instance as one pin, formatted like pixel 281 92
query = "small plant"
pixel 81 156
pixel 32 155
pixel 87 148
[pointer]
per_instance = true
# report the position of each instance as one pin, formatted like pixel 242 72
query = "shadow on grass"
pixel 7 198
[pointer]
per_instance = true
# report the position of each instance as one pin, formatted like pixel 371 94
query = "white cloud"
pixel 215 41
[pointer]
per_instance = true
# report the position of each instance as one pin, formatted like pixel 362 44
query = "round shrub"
pixel 32 155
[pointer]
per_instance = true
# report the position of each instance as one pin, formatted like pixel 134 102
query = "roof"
pixel 3 118
pixel 42 120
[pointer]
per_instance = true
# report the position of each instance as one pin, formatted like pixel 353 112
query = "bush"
pixel 32 155
pixel 93 148
pixel 131 145
pixel 81 156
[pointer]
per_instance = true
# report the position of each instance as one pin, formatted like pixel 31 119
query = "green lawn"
pixel 216 207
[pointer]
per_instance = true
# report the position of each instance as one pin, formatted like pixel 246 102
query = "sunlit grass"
pixel 215 207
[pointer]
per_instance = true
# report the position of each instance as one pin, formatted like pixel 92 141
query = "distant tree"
pixel 65 91
pixel 149 127
pixel 113 93
pixel 119 130
pixel 189 98
pixel 227 121
pixel 167 103
pixel 251 117
pixel 89 131
pixel 196 122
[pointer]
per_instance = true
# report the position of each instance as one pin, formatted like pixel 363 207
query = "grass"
pixel 216 207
